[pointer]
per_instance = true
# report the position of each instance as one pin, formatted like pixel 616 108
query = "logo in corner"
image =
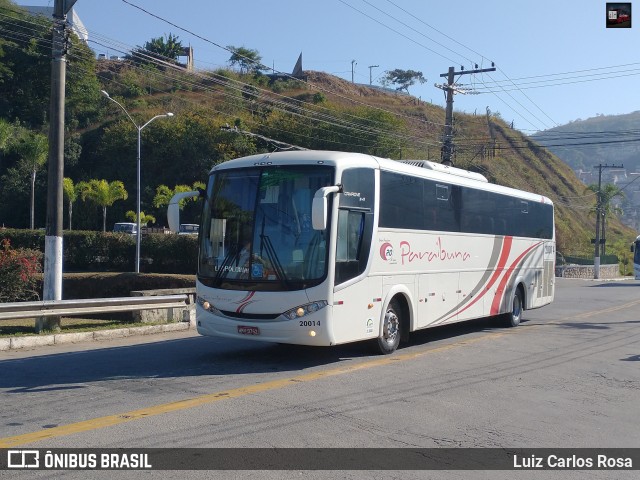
pixel 23 459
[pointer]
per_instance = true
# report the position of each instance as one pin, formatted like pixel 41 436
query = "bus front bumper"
pixel 309 330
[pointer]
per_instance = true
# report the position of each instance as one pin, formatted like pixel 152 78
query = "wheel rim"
pixel 391 327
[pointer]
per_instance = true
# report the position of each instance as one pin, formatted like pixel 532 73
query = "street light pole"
pixel 138 164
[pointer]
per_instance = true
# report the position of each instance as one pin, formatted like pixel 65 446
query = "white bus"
pixel 325 248
pixel 635 248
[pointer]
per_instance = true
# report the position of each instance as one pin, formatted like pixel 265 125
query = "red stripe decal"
pixel 495 306
pixel 246 297
pixel 245 301
pixel 504 255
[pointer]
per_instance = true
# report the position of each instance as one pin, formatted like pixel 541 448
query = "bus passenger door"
pixel 357 298
pixel 438 298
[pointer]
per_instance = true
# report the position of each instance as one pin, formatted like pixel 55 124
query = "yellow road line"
pixel 606 310
pixel 102 422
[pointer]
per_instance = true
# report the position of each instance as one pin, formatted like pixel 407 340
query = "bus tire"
pixel 513 318
pixel 389 339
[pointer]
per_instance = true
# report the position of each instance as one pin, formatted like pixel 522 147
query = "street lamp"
pixel 139 128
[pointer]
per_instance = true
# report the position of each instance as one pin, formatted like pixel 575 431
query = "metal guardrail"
pixel 17 310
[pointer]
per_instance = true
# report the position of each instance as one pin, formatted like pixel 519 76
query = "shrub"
pixel 19 271
pixel 319 97
pixel 90 251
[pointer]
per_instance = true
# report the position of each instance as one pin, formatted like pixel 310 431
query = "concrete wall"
pixel 586 271
pixel 167 315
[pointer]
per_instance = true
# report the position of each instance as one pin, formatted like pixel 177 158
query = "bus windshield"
pixel 257 229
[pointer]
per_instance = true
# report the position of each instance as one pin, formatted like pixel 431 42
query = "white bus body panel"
pixel 453 279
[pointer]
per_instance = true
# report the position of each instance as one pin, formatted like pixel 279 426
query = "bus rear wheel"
pixel 389 340
pixel 513 318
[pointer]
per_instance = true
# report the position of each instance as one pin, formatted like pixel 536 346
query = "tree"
pixel 625 257
pixel 6 132
pixel 25 67
pixel 25 71
pixel 102 193
pixel 247 59
pixel 32 148
pixel 164 194
pixel 403 78
pixel 608 192
pixel 167 48
pixel 144 218
pixel 6 135
pixel 71 194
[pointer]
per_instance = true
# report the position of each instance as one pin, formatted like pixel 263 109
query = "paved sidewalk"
pixel 35 341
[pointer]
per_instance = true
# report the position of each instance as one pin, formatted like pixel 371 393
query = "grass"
pixel 26 327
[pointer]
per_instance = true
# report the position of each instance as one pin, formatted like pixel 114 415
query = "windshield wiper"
pixel 265 243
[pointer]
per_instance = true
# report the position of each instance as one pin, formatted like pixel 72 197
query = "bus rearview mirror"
pixel 319 207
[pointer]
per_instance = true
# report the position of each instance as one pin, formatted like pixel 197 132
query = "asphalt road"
pixel 568 376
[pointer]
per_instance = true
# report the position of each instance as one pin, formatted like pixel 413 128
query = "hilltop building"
pixel 72 19
pixel 296 73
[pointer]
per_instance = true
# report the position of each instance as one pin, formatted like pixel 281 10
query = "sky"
pixel 556 61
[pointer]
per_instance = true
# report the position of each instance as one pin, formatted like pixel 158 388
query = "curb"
pixel 30 342
pixel 615 279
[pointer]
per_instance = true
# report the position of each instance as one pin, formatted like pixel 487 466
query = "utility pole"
pixel 370 77
pixel 52 289
pixel 596 255
pixel 353 62
pixel 447 146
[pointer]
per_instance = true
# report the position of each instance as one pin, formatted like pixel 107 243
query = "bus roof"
pixel 418 168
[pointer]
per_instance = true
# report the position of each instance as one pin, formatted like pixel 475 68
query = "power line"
pixel 476 66
pixel 575 71
pixel 319 87
pixel 285 107
pixel 395 31
pixel 414 30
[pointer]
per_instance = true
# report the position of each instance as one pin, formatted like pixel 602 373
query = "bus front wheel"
pixel 389 340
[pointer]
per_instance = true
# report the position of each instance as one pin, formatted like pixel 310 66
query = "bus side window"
pixel 350 225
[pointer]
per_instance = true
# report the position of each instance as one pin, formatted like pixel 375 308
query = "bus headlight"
pixel 306 309
pixel 209 307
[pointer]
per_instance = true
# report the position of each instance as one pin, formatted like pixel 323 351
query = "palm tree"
pixel 607 193
pixel 71 193
pixel 33 149
pixel 144 218
pixel 103 194
pixel 164 194
pixel 167 47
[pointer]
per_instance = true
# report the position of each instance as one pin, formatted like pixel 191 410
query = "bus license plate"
pixel 248 330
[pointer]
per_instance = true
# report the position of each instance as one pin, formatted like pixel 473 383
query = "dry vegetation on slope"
pixel 502 154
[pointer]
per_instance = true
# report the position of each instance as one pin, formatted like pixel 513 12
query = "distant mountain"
pixel 606 139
